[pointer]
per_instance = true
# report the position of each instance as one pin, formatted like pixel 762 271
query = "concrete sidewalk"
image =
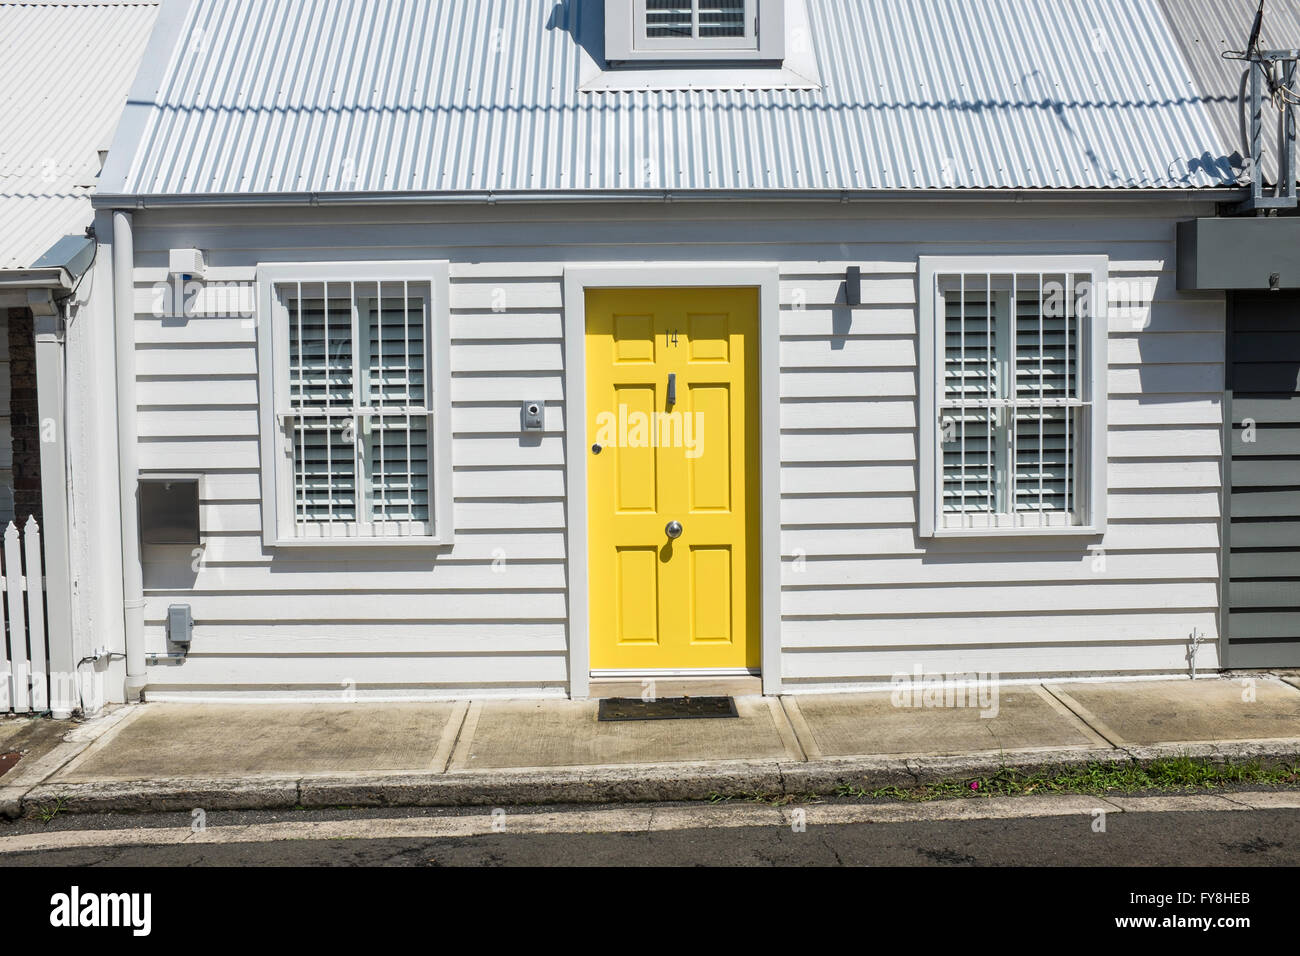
pixel 502 752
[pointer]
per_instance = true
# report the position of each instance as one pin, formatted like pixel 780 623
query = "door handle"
pixel 672 389
pixel 673 529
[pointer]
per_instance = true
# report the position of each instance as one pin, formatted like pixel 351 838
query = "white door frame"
pixel 762 276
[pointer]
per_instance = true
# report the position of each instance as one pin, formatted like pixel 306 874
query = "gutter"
pixel 495 197
pixel 128 452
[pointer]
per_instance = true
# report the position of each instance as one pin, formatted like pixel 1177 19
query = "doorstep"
pixel 602 687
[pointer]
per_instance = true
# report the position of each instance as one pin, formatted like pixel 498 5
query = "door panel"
pixel 638 595
pixel 659 603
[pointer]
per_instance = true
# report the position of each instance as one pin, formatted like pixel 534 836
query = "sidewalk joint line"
pixel 463 708
pixel 1094 724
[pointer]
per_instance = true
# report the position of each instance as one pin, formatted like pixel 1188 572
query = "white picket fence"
pixel 24 671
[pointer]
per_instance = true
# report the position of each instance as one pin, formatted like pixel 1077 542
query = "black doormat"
pixel 666 708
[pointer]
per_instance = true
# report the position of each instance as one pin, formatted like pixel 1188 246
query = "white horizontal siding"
pixel 862 596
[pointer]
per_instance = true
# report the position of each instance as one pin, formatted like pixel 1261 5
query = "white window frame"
pixel 279 529
pixel 626 39
pixel 1092 365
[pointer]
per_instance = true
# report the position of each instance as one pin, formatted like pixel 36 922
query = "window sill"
pixel 342 543
pixel 1077 531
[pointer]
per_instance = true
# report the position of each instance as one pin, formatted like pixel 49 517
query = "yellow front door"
pixel 672 478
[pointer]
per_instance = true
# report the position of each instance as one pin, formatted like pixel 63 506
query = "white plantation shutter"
pixel 398 446
pixel 695 18
pixel 1047 337
pixel 320 402
pixel 1013 425
pixel 357 415
pixel 669 18
pixel 973 379
pixel 722 18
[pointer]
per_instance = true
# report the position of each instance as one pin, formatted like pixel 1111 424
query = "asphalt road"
pixel 1185 837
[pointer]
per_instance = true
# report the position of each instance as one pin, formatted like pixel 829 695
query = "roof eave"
pixel 489 197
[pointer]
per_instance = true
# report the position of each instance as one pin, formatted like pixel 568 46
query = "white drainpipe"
pixel 127 452
pixel 50 378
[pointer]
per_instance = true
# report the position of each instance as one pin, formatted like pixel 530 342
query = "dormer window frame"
pixel 627 38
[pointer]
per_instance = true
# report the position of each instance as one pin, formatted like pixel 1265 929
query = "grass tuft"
pixel 1169 774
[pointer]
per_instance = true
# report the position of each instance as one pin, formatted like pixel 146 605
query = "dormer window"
pixel 670 31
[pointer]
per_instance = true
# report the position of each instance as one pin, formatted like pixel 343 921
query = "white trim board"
pixel 766 278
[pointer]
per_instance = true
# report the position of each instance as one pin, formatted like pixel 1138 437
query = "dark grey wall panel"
pixel 1265 564
pixel 1262 587
pixel 1272 625
pixel 1264 502
pixel 1266 377
pixel 1273 595
pixel 1257 472
pixel 1272 440
pixel 1282 653
pixel 1265 346
pixel 1266 409
pixel 1265 534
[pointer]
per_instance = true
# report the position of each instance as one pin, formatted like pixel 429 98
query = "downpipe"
pixel 128 453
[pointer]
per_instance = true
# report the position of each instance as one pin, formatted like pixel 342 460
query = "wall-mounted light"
pixel 853 285
pixel 187 263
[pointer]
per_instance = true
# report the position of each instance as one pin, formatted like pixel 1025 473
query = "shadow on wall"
pixel 1177 338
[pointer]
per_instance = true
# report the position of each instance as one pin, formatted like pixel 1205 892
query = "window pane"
pixel 358 415
pixel 324 470
pixel 394 325
pixel 320 345
pixel 1010 451
pixel 320 382
pixel 971 440
pixel 722 18
pixel 974 340
pixel 396 447
pixel 1044 460
pixel 1047 337
pixel 399 468
pixel 668 18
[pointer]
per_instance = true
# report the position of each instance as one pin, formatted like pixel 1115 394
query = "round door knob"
pixel 673 529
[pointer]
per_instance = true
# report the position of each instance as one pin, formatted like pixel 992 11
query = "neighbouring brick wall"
pixel 24 417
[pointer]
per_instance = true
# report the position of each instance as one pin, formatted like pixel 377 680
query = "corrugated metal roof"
pixel 64 72
pixel 1205 31
pixel 289 96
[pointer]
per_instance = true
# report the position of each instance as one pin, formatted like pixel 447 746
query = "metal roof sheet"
pixel 443 97
pixel 65 68
pixel 1205 31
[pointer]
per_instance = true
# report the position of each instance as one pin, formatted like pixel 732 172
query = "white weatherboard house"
pixel 523 347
